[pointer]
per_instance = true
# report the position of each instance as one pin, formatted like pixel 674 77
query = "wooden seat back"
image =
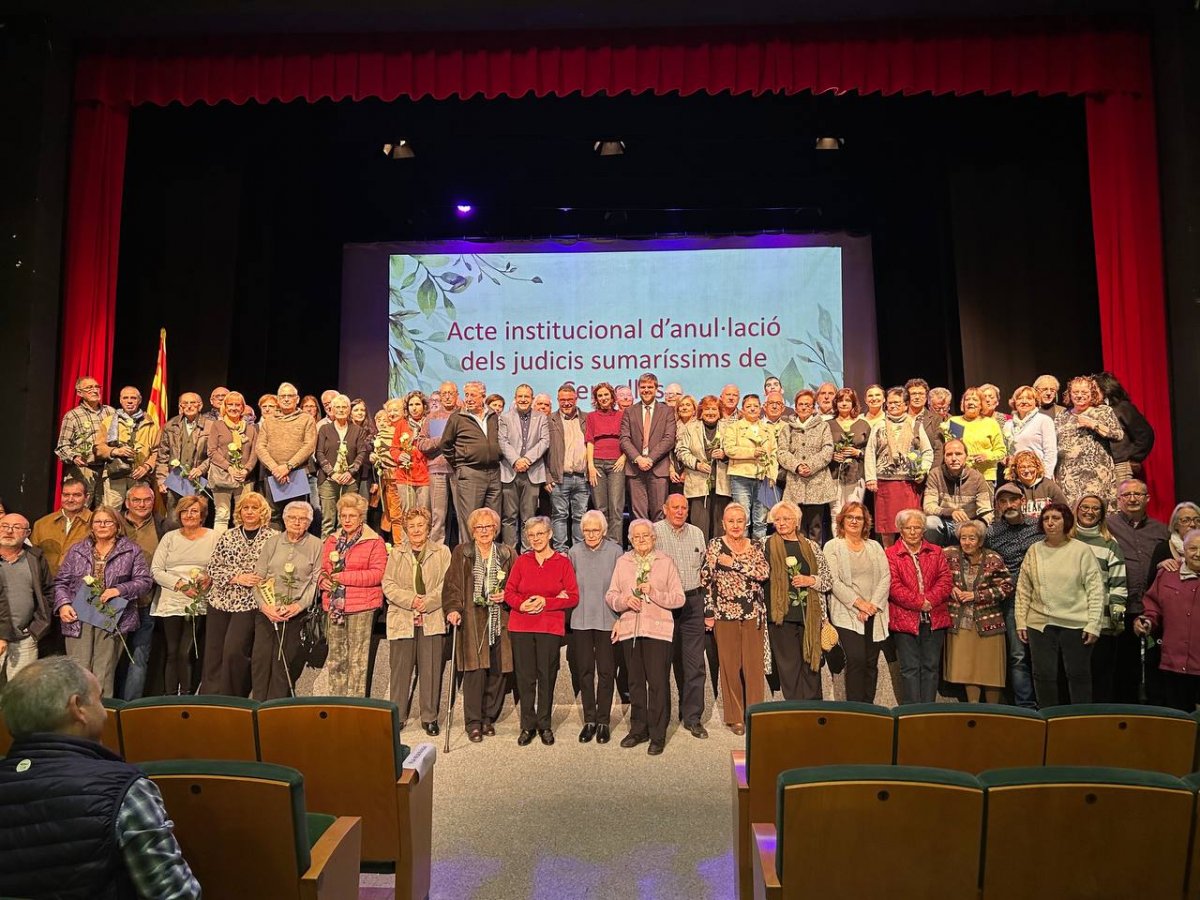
pixel 203 727
pixel 969 737
pixel 1149 738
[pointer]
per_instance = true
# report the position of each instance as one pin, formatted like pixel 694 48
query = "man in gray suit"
pixel 524 437
pixel 647 440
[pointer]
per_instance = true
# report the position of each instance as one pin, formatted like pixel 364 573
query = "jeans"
pixel 569 501
pixel 745 492
pixel 1046 648
pixel 609 494
pixel 920 656
pixel 1020 677
pixel 138 641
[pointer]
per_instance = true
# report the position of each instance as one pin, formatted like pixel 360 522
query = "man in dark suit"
pixel 647 440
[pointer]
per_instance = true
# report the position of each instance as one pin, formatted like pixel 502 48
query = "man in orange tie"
pixel 647 439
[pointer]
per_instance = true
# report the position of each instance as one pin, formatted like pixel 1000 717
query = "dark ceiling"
pixel 89 18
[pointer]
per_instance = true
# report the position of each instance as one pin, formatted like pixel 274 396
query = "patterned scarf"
pixel 899 433
pixel 129 420
pixel 485 578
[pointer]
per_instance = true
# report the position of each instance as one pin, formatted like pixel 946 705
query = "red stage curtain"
pixel 1110 67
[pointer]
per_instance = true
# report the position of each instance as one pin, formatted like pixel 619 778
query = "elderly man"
pixel 684 543
pixel 77 438
pixel 916 394
pixel 1046 387
pixel 440 482
pixel 26 595
pixel 1011 536
pixel 327 398
pixel 128 440
pixel 1139 536
pixel 773 385
pixel 940 400
pixel 544 404
pixel 60 788
pixel 567 461
pixel 56 533
pixel 524 436
pixel 471 445
pixel 144 529
pixel 729 397
pixel 647 440
pixel 286 442
pixel 624 397
pixel 184 438
pixel 825 394
pixel 672 394
pixel 217 397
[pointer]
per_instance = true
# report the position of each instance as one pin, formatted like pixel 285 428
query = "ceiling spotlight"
pixel 399 150
pixel 830 143
pixel 463 209
pixel 609 148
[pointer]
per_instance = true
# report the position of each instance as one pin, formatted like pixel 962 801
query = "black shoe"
pixel 525 738
pixel 476 735
pixel 431 728
pixel 632 740
pixel 655 748
pixel 602 735
pixel 589 732
pixel 697 730
pixel 547 735
pixel 489 729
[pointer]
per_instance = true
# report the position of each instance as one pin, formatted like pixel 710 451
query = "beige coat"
pixel 689 450
pixel 399 591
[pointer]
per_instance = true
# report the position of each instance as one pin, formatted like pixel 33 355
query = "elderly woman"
pixel 749 445
pixel 976 654
pixel 645 588
pixel 1086 432
pixel 799 576
pixel 540 589
pixel 860 581
pixel 1169 606
pixel 980 433
pixel 268 406
pixel 899 455
pixel 593 661
pixel 850 434
pixel 180 564
pixel 705 481
pixel 473 597
pixel 416 625
pixel 1060 601
pixel 1169 553
pixel 102 567
pixel 287 568
pixel 1092 529
pixel 231 450
pixel 233 602
pixel 918 615
pixel 605 461
pixel 353 560
pixel 733 572
pixel 403 468
pixel 1030 431
pixel 1026 472
pixel 341 453
pixel 805 451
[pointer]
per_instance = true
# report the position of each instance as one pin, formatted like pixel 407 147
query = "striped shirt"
pixel 1112 569
pixel 685 546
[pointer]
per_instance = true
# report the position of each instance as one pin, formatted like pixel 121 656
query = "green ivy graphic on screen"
pixel 817 359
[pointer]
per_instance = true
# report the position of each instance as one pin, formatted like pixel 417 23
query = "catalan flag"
pixel 156 409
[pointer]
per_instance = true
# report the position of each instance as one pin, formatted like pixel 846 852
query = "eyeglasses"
pixel 16 529
pixel 854 518
pixel 1127 494
pixel 96 523
pixel 484 528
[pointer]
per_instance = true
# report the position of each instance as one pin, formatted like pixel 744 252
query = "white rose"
pixel 175 464
pixel 791 561
pixel 233 448
pixel 194 574
pixel 334 556
pixel 288 568
pixel 89 580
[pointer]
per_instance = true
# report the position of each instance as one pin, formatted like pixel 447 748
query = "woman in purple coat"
pixel 96 571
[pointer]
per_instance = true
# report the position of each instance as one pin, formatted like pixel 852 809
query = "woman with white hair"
pixel 342 448
pixel 1169 553
pixel 593 661
pixel 976 655
pixel 287 567
pixel 1171 608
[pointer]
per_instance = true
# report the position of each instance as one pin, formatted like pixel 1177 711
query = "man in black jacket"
pixel 26 587
pixel 78 821
pixel 471 446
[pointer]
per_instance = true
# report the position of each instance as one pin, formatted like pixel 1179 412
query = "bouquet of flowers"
pixel 841 445
pixel 196 587
pixel 83 445
pixel 916 463
pixel 797 596
pixel 341 464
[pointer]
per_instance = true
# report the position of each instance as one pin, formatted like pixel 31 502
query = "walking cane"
pixel 453 666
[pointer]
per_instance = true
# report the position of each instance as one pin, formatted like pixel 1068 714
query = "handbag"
pixel 829 635
pixel 313 635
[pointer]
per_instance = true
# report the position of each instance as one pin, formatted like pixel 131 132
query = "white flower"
pixel 89 580
pixel 194 574
pixel 288 568
pixel 334 556
pixel 233 447
pixel 791 561
pixel 175 464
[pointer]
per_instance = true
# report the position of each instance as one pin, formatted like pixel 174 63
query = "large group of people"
pixel 983 551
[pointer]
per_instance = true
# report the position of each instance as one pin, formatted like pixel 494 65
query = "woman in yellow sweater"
pixel 981 434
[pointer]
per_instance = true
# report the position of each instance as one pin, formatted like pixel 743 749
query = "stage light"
pixel 609 148
pixel 462 210
pixel 830 143
pixel 399 150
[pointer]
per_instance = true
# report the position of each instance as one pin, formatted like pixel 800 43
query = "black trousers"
pixel 273 671
pixel 1181 691
pixel 228 641
pixel 1127 665
pixel 594 667
pixel 649 687
pixel 706 514
pixel 179 652
pixel 483 692
pixel 1104 669
pixel 862 661
pixel 688 657
pixel 796 679
pixel 1046 648
pixel 535 668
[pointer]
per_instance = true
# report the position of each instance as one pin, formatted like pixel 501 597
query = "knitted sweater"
pixel 287 440
pixel 1060 586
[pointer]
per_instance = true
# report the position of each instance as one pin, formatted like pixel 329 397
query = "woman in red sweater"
pixel 918 615
pixel 539 591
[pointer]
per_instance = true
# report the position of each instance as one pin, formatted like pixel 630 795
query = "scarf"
pixel 237 430
pixel 1018 424
pixel 899 434
pixel 777 557
pixel 129 420
pixel 1176 545
pixel 485 572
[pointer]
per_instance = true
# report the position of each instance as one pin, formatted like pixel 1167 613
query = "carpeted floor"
pixel 579 821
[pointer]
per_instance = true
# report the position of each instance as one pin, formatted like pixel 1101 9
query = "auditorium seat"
pixel 1152 738
pixel 201 727
pixel 350 753
pixel 969 737
pixel 244 830
pixel 871 831
pixel 789 734
pixel 1076 832
pixel 112 738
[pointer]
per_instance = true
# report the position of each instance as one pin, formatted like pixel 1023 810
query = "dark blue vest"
pixel 59 799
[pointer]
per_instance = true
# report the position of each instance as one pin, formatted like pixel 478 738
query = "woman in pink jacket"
pixel 353 559
pixel 645 588
pixel 917 613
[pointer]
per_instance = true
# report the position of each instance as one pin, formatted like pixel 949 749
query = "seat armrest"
pixel 742 869
pixel 333 873
pixel 414 865
pixel 737 762
pixel 766 881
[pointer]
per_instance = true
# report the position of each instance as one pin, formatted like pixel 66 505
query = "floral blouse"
pixel 734 592
pixel 235 556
